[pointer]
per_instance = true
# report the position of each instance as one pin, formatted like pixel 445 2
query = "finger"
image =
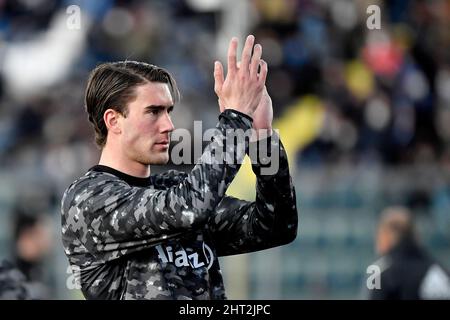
pixel 256 59
pixel 247 53
pixel 232 48
pixel 218 77
pixel 263 72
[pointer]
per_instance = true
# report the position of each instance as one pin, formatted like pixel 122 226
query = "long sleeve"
pixel 271 220
pixel 110 218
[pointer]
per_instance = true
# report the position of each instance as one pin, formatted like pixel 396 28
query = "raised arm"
pixel 271 220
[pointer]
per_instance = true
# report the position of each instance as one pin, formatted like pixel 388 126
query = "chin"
pixel 162 159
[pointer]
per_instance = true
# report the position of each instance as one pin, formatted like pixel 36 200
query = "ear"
pixel 112 121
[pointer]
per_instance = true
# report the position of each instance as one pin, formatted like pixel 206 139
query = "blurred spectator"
pixel 32 245
pixel 408 272
pixel 12 283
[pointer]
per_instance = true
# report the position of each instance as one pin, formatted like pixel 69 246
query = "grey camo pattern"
pixel 110 229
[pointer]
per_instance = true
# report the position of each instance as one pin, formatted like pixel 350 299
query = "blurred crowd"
pixel 384 94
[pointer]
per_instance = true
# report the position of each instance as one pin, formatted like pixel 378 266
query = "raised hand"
pixel 243 87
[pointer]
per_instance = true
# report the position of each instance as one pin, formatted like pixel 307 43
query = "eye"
pixel 153 111
pixel 170 109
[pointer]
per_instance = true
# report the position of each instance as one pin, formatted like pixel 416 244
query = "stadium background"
pixel 364 114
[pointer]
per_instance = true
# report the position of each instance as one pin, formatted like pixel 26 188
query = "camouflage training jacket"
pixel 160 237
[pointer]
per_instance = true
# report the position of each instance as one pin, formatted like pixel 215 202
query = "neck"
pixel 118 161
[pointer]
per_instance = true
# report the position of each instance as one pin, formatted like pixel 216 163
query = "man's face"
pixel 384 240
pixel 146 128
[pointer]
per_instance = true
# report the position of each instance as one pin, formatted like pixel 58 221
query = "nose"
pixel 167 125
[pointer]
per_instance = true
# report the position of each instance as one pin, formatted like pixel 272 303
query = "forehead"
pixel 153 93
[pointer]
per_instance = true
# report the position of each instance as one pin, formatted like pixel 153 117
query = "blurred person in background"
pixel 22 277
pixel 12 283
pixel 132 235
pixel 33 243
pixel 408 271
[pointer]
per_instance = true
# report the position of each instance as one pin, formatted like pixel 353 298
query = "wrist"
pixel 240 108
pixel 241 112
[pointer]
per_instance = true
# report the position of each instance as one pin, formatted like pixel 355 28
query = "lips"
pixel 163 143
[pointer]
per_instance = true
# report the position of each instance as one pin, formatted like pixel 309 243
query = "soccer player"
pixel 130 234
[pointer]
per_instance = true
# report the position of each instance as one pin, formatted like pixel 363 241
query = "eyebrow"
pixel 153 107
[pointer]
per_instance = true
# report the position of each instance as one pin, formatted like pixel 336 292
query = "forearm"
pixel 240 226
pixel 207 183
pixel 275 192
